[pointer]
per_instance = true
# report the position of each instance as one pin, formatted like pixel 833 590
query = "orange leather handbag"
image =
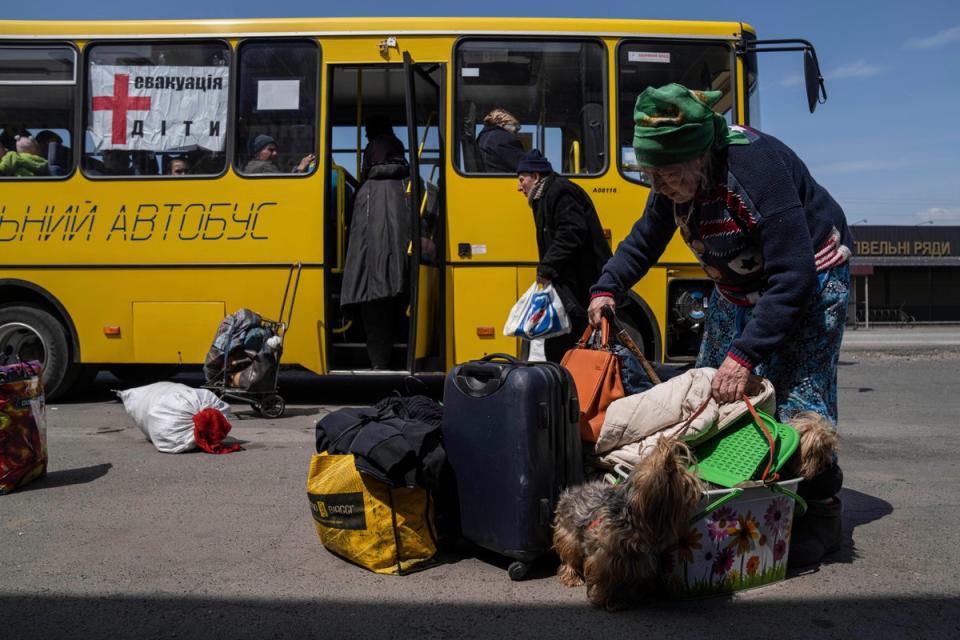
pixel 596 372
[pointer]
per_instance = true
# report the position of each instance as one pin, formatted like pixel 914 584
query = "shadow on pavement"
pixel 32 615
pixel 858 509
pixel 296 387
pixel 67 477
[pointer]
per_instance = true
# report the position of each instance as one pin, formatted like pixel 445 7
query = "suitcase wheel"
pixel 518 570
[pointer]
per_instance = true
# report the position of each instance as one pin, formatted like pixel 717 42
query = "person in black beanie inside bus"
pixel 570 242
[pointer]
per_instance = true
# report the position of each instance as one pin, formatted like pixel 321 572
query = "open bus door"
pixel 424 107
pixel 406 99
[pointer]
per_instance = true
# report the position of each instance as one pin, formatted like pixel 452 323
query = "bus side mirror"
pixel 813 79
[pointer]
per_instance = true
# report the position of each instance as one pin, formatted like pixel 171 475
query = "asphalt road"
pixel 120 541
pixel 901 338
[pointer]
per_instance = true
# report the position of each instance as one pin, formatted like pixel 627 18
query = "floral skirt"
pixel 803 370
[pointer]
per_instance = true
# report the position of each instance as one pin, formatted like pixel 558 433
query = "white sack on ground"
pixel 164 412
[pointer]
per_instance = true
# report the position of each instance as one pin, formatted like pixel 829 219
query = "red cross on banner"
pixel 119 103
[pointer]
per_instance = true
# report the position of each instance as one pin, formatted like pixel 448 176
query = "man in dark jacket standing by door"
pixel 569 240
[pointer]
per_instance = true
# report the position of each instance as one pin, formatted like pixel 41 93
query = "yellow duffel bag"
pixel 365 521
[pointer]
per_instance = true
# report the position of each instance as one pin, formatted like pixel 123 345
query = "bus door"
pixel 377 114
pixel 424 107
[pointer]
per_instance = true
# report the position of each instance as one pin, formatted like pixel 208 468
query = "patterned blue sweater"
pixel 762 237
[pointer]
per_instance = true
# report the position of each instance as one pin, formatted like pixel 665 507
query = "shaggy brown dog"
pixel 818 446
pixel 611 536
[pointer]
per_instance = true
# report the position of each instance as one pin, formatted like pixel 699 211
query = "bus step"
pixel 353 356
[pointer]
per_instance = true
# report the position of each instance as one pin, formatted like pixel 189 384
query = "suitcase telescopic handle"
pixel 482 377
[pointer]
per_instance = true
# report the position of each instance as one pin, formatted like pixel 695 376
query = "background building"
pixel 906 274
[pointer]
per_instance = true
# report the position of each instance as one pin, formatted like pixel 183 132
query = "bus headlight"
pixel 690 307
pixel 687 302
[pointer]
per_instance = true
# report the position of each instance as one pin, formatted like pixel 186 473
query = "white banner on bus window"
pixel 158 108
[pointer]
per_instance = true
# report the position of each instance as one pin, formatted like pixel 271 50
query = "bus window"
pixel 37 94
pixel 550 96
pixel 150 104
pixel 654 63
pixel 277 107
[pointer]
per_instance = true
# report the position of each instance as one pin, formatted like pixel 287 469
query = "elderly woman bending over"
pixel 776 245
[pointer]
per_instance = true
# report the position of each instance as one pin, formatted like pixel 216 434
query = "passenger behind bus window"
pixel 263 148
pixel 6 139
pixel 25 161
pixel 115 162
pixel 51 148
pixel 500 147
pixel 178 167
pixel 56 154
pixel 382 144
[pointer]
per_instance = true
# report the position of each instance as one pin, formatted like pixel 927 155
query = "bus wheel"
pixel 641 340
pixel 31 333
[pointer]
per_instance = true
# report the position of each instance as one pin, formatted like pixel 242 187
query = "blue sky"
pixel 885 143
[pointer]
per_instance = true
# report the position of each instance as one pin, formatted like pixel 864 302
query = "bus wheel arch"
pixel 639 317
pixel 34 323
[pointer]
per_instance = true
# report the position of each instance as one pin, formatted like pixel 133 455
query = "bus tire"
pixel 637 318
pixel 32 333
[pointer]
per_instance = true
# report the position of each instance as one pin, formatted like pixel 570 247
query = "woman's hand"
pixel 305 162
pixel 730 381
pixel 595 310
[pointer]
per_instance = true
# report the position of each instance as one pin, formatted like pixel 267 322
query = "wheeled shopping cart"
pixel 243 363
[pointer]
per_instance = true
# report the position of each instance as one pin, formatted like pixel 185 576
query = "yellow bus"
pixel 153 219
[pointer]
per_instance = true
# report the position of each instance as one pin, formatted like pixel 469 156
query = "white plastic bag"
pixel 164 412
pixel 538 313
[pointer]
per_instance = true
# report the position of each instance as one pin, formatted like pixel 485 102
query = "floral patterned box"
pixel 741 544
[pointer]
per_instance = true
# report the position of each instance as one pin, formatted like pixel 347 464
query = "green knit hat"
pixel 675 124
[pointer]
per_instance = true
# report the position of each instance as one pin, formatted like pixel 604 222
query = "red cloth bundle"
pixel 210 427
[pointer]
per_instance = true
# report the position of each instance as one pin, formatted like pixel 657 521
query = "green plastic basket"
pixel 740 452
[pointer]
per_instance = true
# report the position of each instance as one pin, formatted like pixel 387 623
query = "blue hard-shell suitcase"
pixel 510 430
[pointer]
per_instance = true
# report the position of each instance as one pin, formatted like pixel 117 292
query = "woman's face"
pixel 679 182
pixel 269 152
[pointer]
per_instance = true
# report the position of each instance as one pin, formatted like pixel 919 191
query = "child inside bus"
pixel 25 161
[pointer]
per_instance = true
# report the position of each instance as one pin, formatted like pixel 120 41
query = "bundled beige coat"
pixel 633 424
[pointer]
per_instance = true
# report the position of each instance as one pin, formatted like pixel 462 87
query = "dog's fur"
pixel 611 536
pixel 818 446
